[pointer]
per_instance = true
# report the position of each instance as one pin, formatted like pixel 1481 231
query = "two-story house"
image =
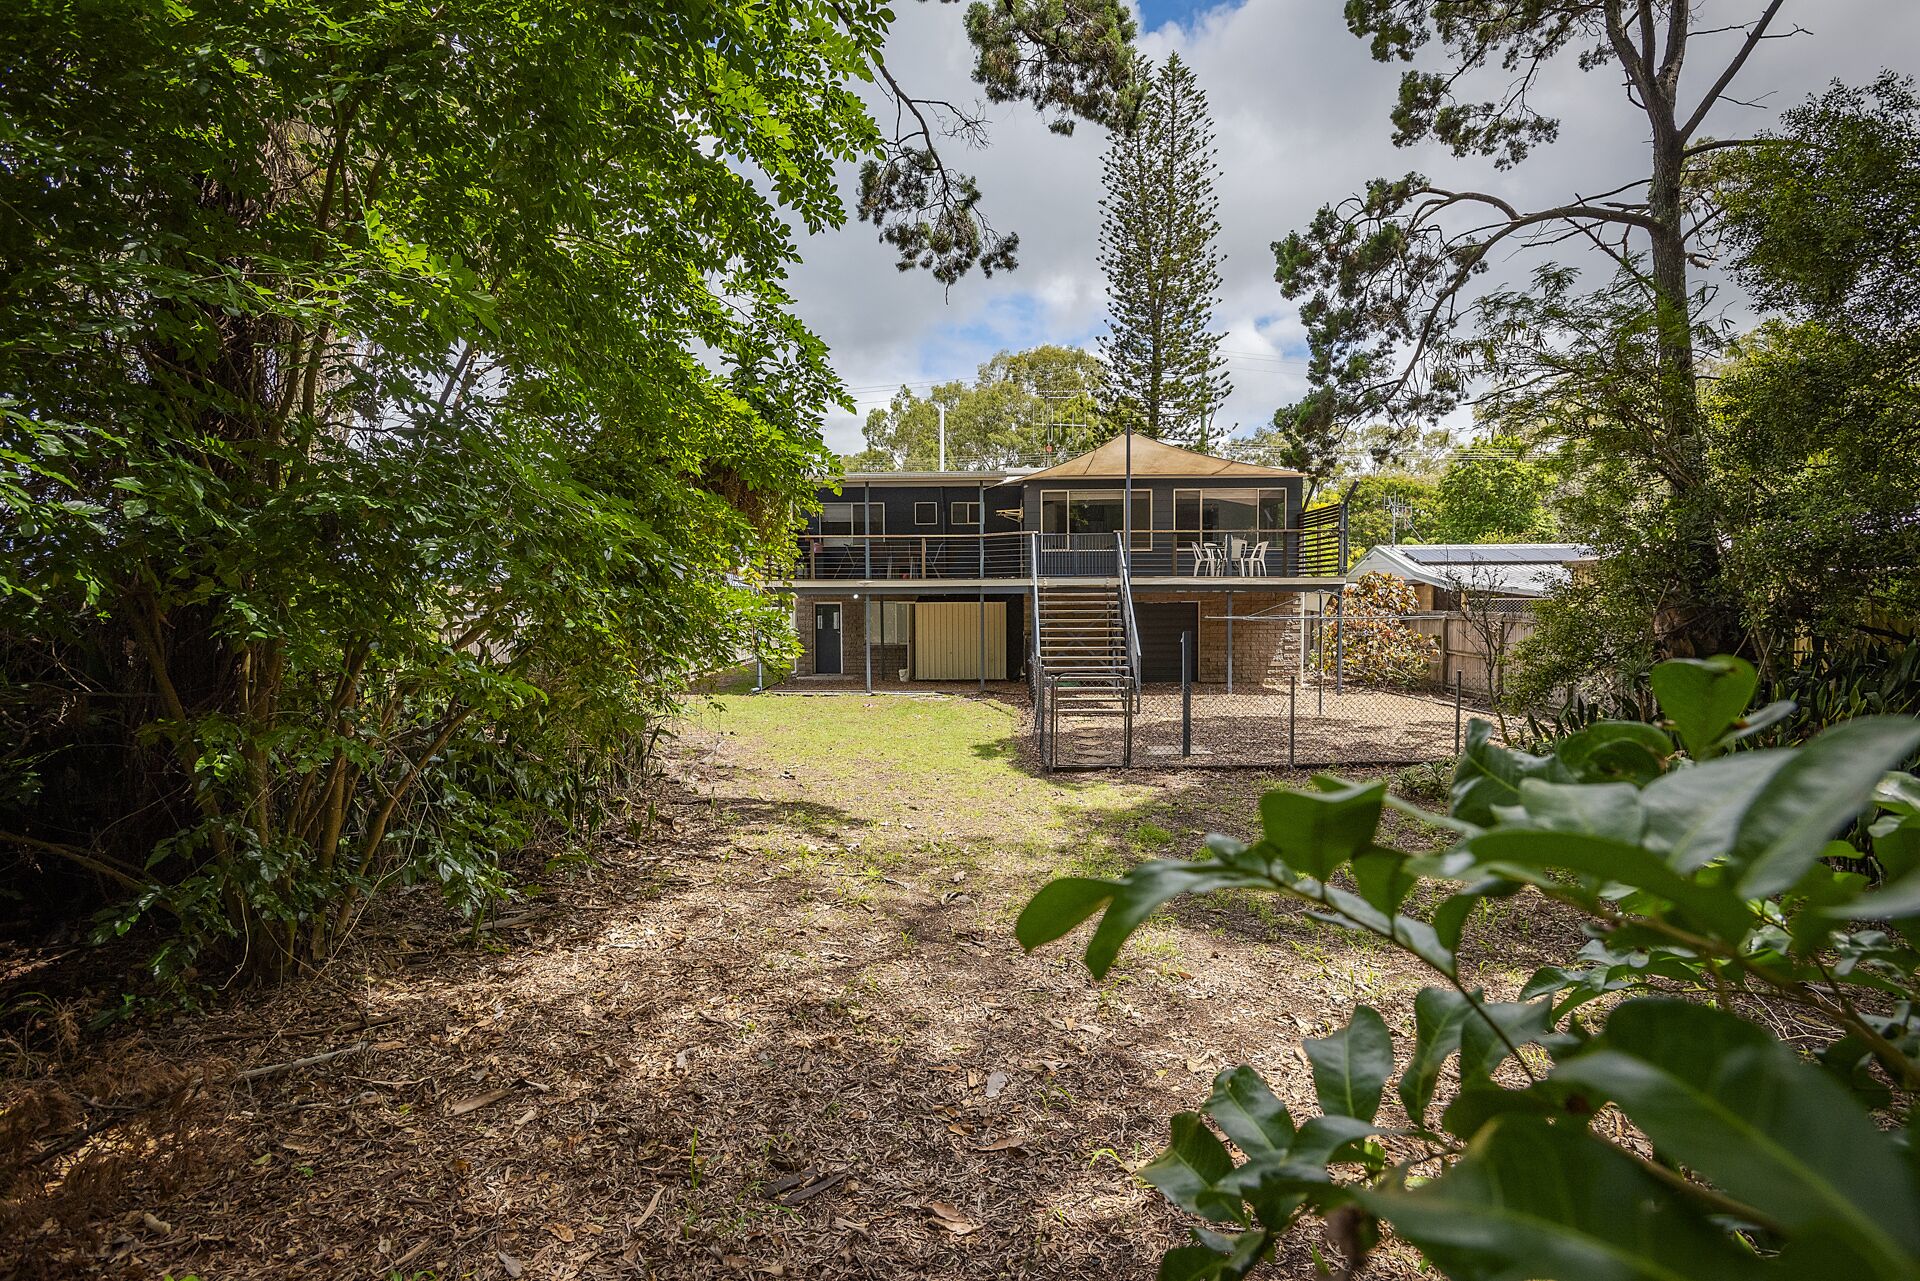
pixel 995 576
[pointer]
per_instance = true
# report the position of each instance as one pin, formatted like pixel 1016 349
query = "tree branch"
pixel 1755 35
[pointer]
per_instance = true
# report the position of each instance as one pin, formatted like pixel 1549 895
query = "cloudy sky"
pixel 1300 113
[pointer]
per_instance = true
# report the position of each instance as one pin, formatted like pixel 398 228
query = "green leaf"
pixel 1607 751
pixel 1899 792
pixel 1827 784
pixel 1323 1136
pixel 1535 1200
pixel 1351 1067
pixel 1243 1106
pixel 1693 811
pixel 1703 697
pixel 1490 775
pixel 1478 1105
pixel 1610 860
pixel 1189 1171
pixel 1720 1095
pixel 1437 1015
pixel 1598 809
pixel 1316 832
pixel 1450 918
pixel 1060 906
pixel 1216 1257
pixel 1492 1033
pixel 1383 878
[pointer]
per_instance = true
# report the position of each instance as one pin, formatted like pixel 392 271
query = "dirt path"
pixel 780 1030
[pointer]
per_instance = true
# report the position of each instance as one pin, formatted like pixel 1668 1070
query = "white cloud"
pixel 1301 114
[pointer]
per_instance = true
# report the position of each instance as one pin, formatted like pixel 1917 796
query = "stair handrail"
pixel 1132 627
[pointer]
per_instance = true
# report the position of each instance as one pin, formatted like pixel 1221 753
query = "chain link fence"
pixel 1314 717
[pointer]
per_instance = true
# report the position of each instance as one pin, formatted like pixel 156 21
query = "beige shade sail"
pixel 1153 458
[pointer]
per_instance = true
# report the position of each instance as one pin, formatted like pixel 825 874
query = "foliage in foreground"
pixel 1714 914
pixel 392 398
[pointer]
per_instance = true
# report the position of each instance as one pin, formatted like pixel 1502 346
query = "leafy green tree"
pixel 1344 456
pixel 1669 1132
pixel 1810 462
pixel 1165 375
pixel 1812 417
pixel 1387 278
pixel 398 403
pixel 1388 507
pixel 1824 212
pixel 1020 404
pixel 1491 492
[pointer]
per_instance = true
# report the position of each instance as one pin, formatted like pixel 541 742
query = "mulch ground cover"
pixel 777 1027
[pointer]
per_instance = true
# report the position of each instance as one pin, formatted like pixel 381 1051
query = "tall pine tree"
pixel 1164 374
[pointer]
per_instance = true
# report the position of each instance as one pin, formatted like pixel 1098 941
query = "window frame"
pixel 921 509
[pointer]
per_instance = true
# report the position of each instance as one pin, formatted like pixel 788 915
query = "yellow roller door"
pixel 946 640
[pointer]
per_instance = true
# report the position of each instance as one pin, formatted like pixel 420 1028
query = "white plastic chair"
pixel 1255 558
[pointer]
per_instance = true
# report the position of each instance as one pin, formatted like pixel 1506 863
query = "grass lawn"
pixel 779 1027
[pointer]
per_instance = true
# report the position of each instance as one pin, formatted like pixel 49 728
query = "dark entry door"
pixel 1160 626
pixel 826 639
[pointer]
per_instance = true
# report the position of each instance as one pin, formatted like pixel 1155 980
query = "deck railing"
pixel 1310 549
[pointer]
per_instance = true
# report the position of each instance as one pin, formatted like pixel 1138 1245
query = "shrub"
pixel 1709 901
pixel 1369 642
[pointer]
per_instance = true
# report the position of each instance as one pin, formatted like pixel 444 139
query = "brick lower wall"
pixel 1264 652
pixel 853 636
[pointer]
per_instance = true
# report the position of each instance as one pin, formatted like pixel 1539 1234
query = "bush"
pixel 1369 643
pixel 396 408
pixel 1702 873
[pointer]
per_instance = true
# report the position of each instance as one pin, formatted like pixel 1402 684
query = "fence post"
pixel 1293 711
pixel 1340 642
pixel 1320 660
pixel 1456 711
pixel 1186 699
pixel 1229 642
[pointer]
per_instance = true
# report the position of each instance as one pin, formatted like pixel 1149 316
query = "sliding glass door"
pixel 1088 519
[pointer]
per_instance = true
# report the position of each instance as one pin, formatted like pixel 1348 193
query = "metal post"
pixel 866 524
pixel 980 536
pixel 1293 714
pixel 1229 642
pixel 1126 501
pixel 1456 711
pixel 1340 639
pixel 866 641
pixel 1186 699
pixel 943 436
pixel 1319 659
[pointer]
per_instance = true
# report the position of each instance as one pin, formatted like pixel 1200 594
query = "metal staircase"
pixel 1087 665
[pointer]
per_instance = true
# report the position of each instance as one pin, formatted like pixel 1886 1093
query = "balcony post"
pixel 980 537
pixel 866 526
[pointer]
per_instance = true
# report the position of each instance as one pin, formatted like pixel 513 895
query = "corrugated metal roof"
pixel 1513 569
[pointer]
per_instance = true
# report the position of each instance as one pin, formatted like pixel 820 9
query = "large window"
pixel 1209 514
pixel 964 515
pixel 848 520
pixel 1094 515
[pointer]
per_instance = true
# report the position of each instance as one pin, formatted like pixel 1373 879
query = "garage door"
pixel 947 639
pixel 1160 628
